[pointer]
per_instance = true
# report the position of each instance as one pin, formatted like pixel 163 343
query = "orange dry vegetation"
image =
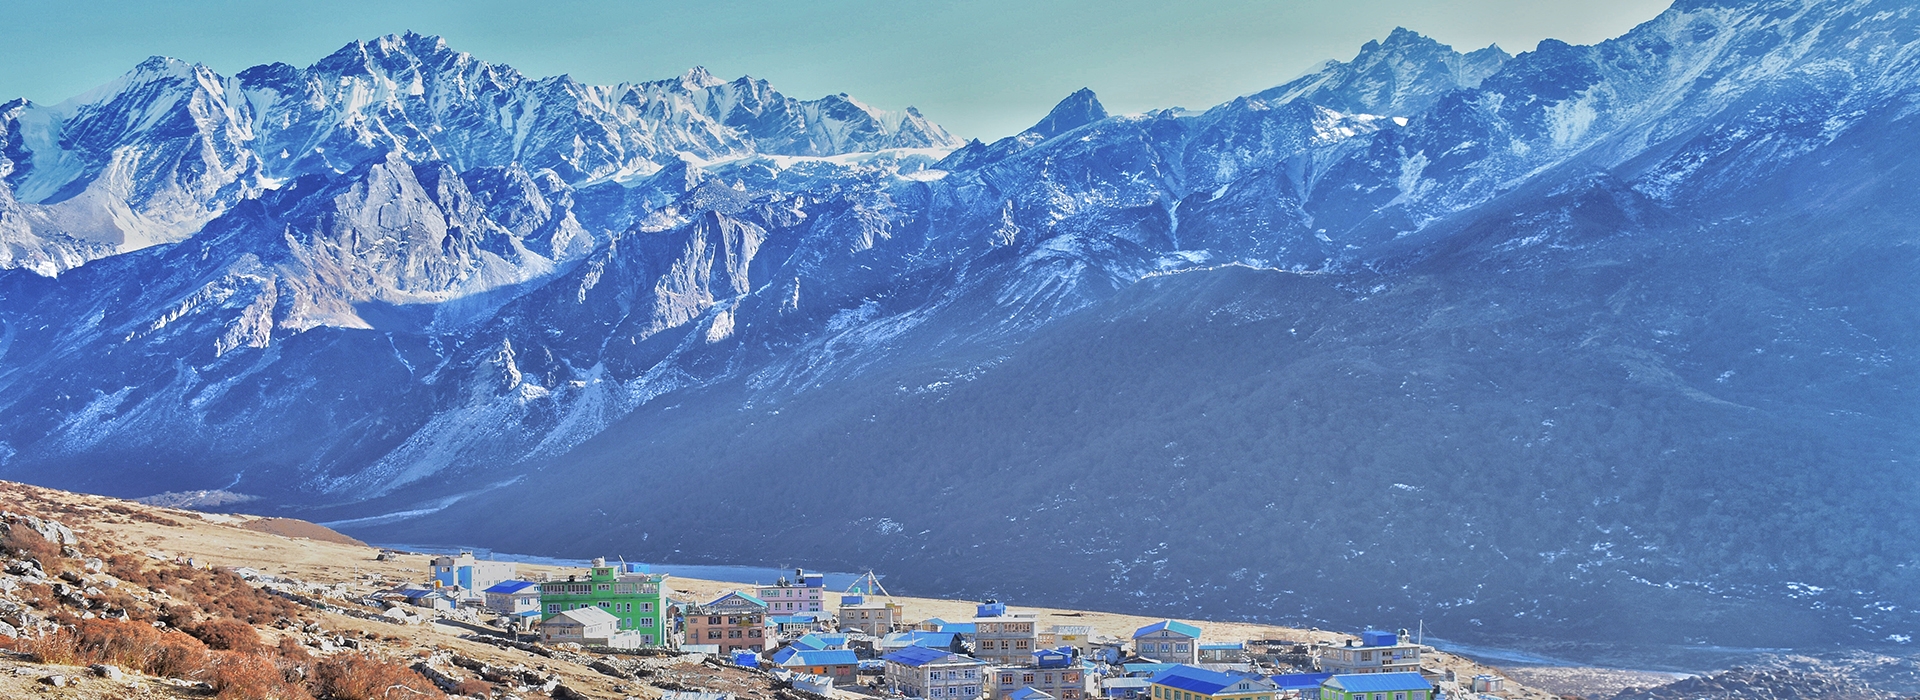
pixel 362 677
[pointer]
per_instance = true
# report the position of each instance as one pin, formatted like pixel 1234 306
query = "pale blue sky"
pixel 982 68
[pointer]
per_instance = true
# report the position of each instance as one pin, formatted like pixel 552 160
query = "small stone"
pixel 57 681
pixel 108 671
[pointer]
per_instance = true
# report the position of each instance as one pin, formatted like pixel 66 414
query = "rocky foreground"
pixel 91 608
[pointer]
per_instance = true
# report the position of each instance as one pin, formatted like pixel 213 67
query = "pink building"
pixel 804 593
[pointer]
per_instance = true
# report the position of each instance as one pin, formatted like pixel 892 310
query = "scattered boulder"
pixel 56 680
pixel 609 669
pixel 108 671
pixel 53 532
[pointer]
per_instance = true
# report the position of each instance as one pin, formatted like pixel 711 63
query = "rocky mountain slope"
pixel 1607 342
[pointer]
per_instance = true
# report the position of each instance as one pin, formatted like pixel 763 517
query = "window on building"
pixel 553 608
pixel 713 634
pixel 756 633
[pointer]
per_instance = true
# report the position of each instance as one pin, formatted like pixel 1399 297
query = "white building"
pixel 935 674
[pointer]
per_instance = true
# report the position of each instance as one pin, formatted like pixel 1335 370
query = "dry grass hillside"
pixel 146 601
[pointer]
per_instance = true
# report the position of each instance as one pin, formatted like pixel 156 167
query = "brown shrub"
pixel 22 542
pixel 474 687
pixel 292 650
pixel 228 635
pixel 241 676
pixel 362 677
pixel 179 656
pixel 61 647
pixel 129 644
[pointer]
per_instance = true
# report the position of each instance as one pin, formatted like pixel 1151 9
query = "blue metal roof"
pixel 1377 638
pixel 920 656
pixel 1224 645
pixel 1176 626
pixel 933 640
pixel 510 587
pixel 1300 681
pixel 1147 668
pixel 1053 658
pixel 1377 682
pixel 1199 680
pixel 1194 679
pixel 959 627
pixel 821 657
pixel 1028 693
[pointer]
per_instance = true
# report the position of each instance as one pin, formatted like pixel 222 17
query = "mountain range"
pixel 1597 344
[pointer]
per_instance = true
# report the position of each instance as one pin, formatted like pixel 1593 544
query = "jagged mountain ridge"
pixel 751 311
pixel 169 146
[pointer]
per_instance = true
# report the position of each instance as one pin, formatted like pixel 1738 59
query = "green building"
pixel 637 598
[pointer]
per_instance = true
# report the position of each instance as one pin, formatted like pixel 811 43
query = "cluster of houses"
pixel 865 644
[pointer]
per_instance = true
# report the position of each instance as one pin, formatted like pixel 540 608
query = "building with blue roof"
pixel 1184 682
pixel 944 641
pixel 1376 686
pixel 1374 652
pixel 933 674
pixel 1306 685
pixel 1003 636
pixel 791 624
pixel 512 597
pixel 468 573
pixel 1169 641
pixel 1223 653
pixel 1125 687
pixel 841 665
pixel 821 641
pixel 1028 694
pixel 1053 672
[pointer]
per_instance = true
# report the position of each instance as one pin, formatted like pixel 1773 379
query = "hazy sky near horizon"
pixel 982 68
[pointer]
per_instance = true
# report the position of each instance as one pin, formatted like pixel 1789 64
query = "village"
pixel 867 644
